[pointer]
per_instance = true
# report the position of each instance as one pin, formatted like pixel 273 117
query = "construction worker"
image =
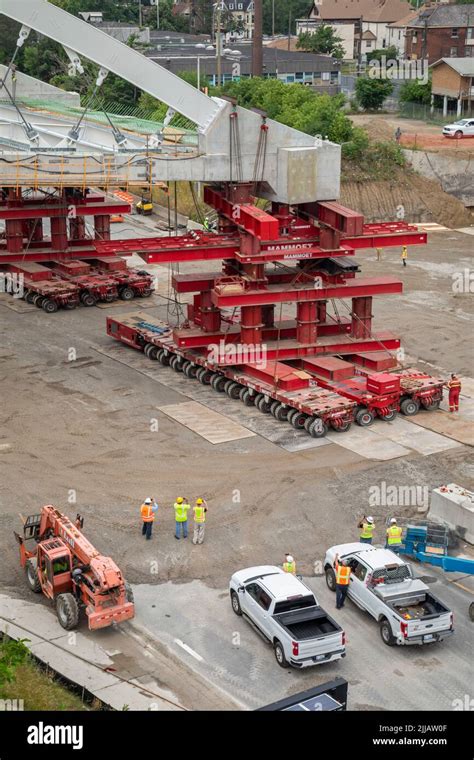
pixel 199 510
pixel 454 387
pixel 148 510
pixel 379 254
pixel 181 509
pixel 398 135
pixel 289 565
pixel 393 539
pixel 343 575
pixel 404 255
pixel 206 224
pixel 367 527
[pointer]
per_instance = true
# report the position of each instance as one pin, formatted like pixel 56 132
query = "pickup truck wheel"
pixel 386 633
pixel 67 610
pixel 234 600
pixel 31 572
pixel 331 579
pixel 280 655
pixel 471 611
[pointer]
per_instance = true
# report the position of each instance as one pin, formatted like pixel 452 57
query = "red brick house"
pixel 441 31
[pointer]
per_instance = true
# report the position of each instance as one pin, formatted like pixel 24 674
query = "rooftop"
pixel 445 15
pixel 463 66
pixel 369 10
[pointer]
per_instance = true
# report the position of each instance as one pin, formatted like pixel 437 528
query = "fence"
pixel 425 113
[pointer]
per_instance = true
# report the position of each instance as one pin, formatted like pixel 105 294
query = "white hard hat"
pixel 393 520
pixel 289 558
pixel 370 519
pixel 148 500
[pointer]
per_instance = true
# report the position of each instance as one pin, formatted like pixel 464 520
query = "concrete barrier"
pixel 456 175
pixel 454 506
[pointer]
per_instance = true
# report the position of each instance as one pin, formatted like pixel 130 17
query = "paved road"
pixel 197 623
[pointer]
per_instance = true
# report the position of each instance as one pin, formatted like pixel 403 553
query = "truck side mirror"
pixel 241 589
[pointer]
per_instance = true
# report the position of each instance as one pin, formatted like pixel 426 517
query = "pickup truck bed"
pixel 419 607
pixel 309 623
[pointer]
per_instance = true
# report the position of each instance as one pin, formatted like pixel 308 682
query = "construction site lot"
pixel 94 427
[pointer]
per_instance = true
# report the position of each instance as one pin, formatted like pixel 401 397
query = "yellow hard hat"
pixel 179 500
pixel 199 501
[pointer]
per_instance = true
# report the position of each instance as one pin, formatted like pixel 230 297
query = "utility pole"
pixel 257 49
pixel 273 19
pixel 289 29
pixel 218 44
pixel 140 18
pixel 157 14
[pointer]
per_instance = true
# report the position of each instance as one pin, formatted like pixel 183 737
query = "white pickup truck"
pixel 383 585
pixel 285 611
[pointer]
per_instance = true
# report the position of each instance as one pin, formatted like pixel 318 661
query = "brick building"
pixel 441 31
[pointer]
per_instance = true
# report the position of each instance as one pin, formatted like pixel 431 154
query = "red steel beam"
pixel 252 219
pixel 364 286
pixel 46 211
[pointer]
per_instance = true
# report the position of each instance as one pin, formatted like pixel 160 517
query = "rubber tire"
pixel 36 298
pixel 263 406
pixel 165 359
pixel 70 306
pixel 364 417
pixel 298 420
pixel 282 661
pixel 331 579
pixel 291 414
pixel 146 293
pixel 234 600
pixel 458 135
pixel 40 301
pixel 204 376
pixel 153 352
pixel 67 610
pixel 342 429
pixel 176 363
pixel 409 407
pixel 432 407
pixel 317 428
pixel 246 398
pixel 218 382
pixel 50 307
pixel 279 411
pixel 87 299
pixel 126 294
pixel 386 633
pixel 190 370
pixel 389 417
pixel 471 611
pixel 29 296
pixel 32 578
pixel 232 389
pixel 129 592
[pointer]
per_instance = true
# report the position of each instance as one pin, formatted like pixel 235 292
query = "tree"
pixel 416 92
pixel 285 14
pixel 390 53
pixel 371 93
pixel 324 41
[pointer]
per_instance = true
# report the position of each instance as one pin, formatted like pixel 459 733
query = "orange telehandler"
pixel 70 572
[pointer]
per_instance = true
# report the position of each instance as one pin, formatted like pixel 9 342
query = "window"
pixel 60 565
pixel 252 590
pixel 368 44
pixel 359 570
pixel 453 53
pixel 264 600
pixel 469 52
pixel 295 604
pixel 455 32
pixel 470 33
pixel 415 38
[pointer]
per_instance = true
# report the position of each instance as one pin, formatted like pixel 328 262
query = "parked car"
pixel 286 612
pixel 461 128
pixel 383 584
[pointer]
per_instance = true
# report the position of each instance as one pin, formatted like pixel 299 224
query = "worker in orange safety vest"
pixel 199 510
pixel 147 511
pixel 343 577
pixel 454 387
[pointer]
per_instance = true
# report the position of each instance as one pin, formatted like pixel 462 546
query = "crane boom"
pixel 115 56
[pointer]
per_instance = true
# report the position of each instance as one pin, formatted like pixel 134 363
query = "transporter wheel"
pixel 30 295
pixel 298 420
pixel 153 353
pixel 126 294
pixel 232 389
pixel 471 611
pixel 204 376
pixel 433 406
pixel 246 398
pixel 109 297
pixel 262 405
pixel 364 417
pixel 331 579
pixel 218 382
pixel 31 572
pixel 386 633
pixel 234 600
pixel 279 411
pixel 39 301
pixel 37 298
pixel 190 370
pixel 50 307
pixel 67 610
pixel 176 363
pixel 280 654
pixel 388 417
pixel 129 592
pixel 409 407
pixel 87 299
pixel 316 427
pixel 341 428
pixel 70 305
pixel 146 293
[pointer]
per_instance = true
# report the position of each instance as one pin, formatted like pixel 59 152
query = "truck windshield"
pixel 295 604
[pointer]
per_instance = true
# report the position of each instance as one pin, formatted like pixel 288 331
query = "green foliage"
pixel 390 53
pixel 371 93
pixel 286 13
pixel 416 92
pixel 324 41
pixel 112 10
pixel 355 148
pixel 12 654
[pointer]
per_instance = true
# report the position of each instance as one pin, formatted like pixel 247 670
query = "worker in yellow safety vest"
pixel 147 511
pixel 343 577
pixel 394 536
pixel 367 527
pixel 289 565
pixel 404 255
pixel 199 510
pixel 181 509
